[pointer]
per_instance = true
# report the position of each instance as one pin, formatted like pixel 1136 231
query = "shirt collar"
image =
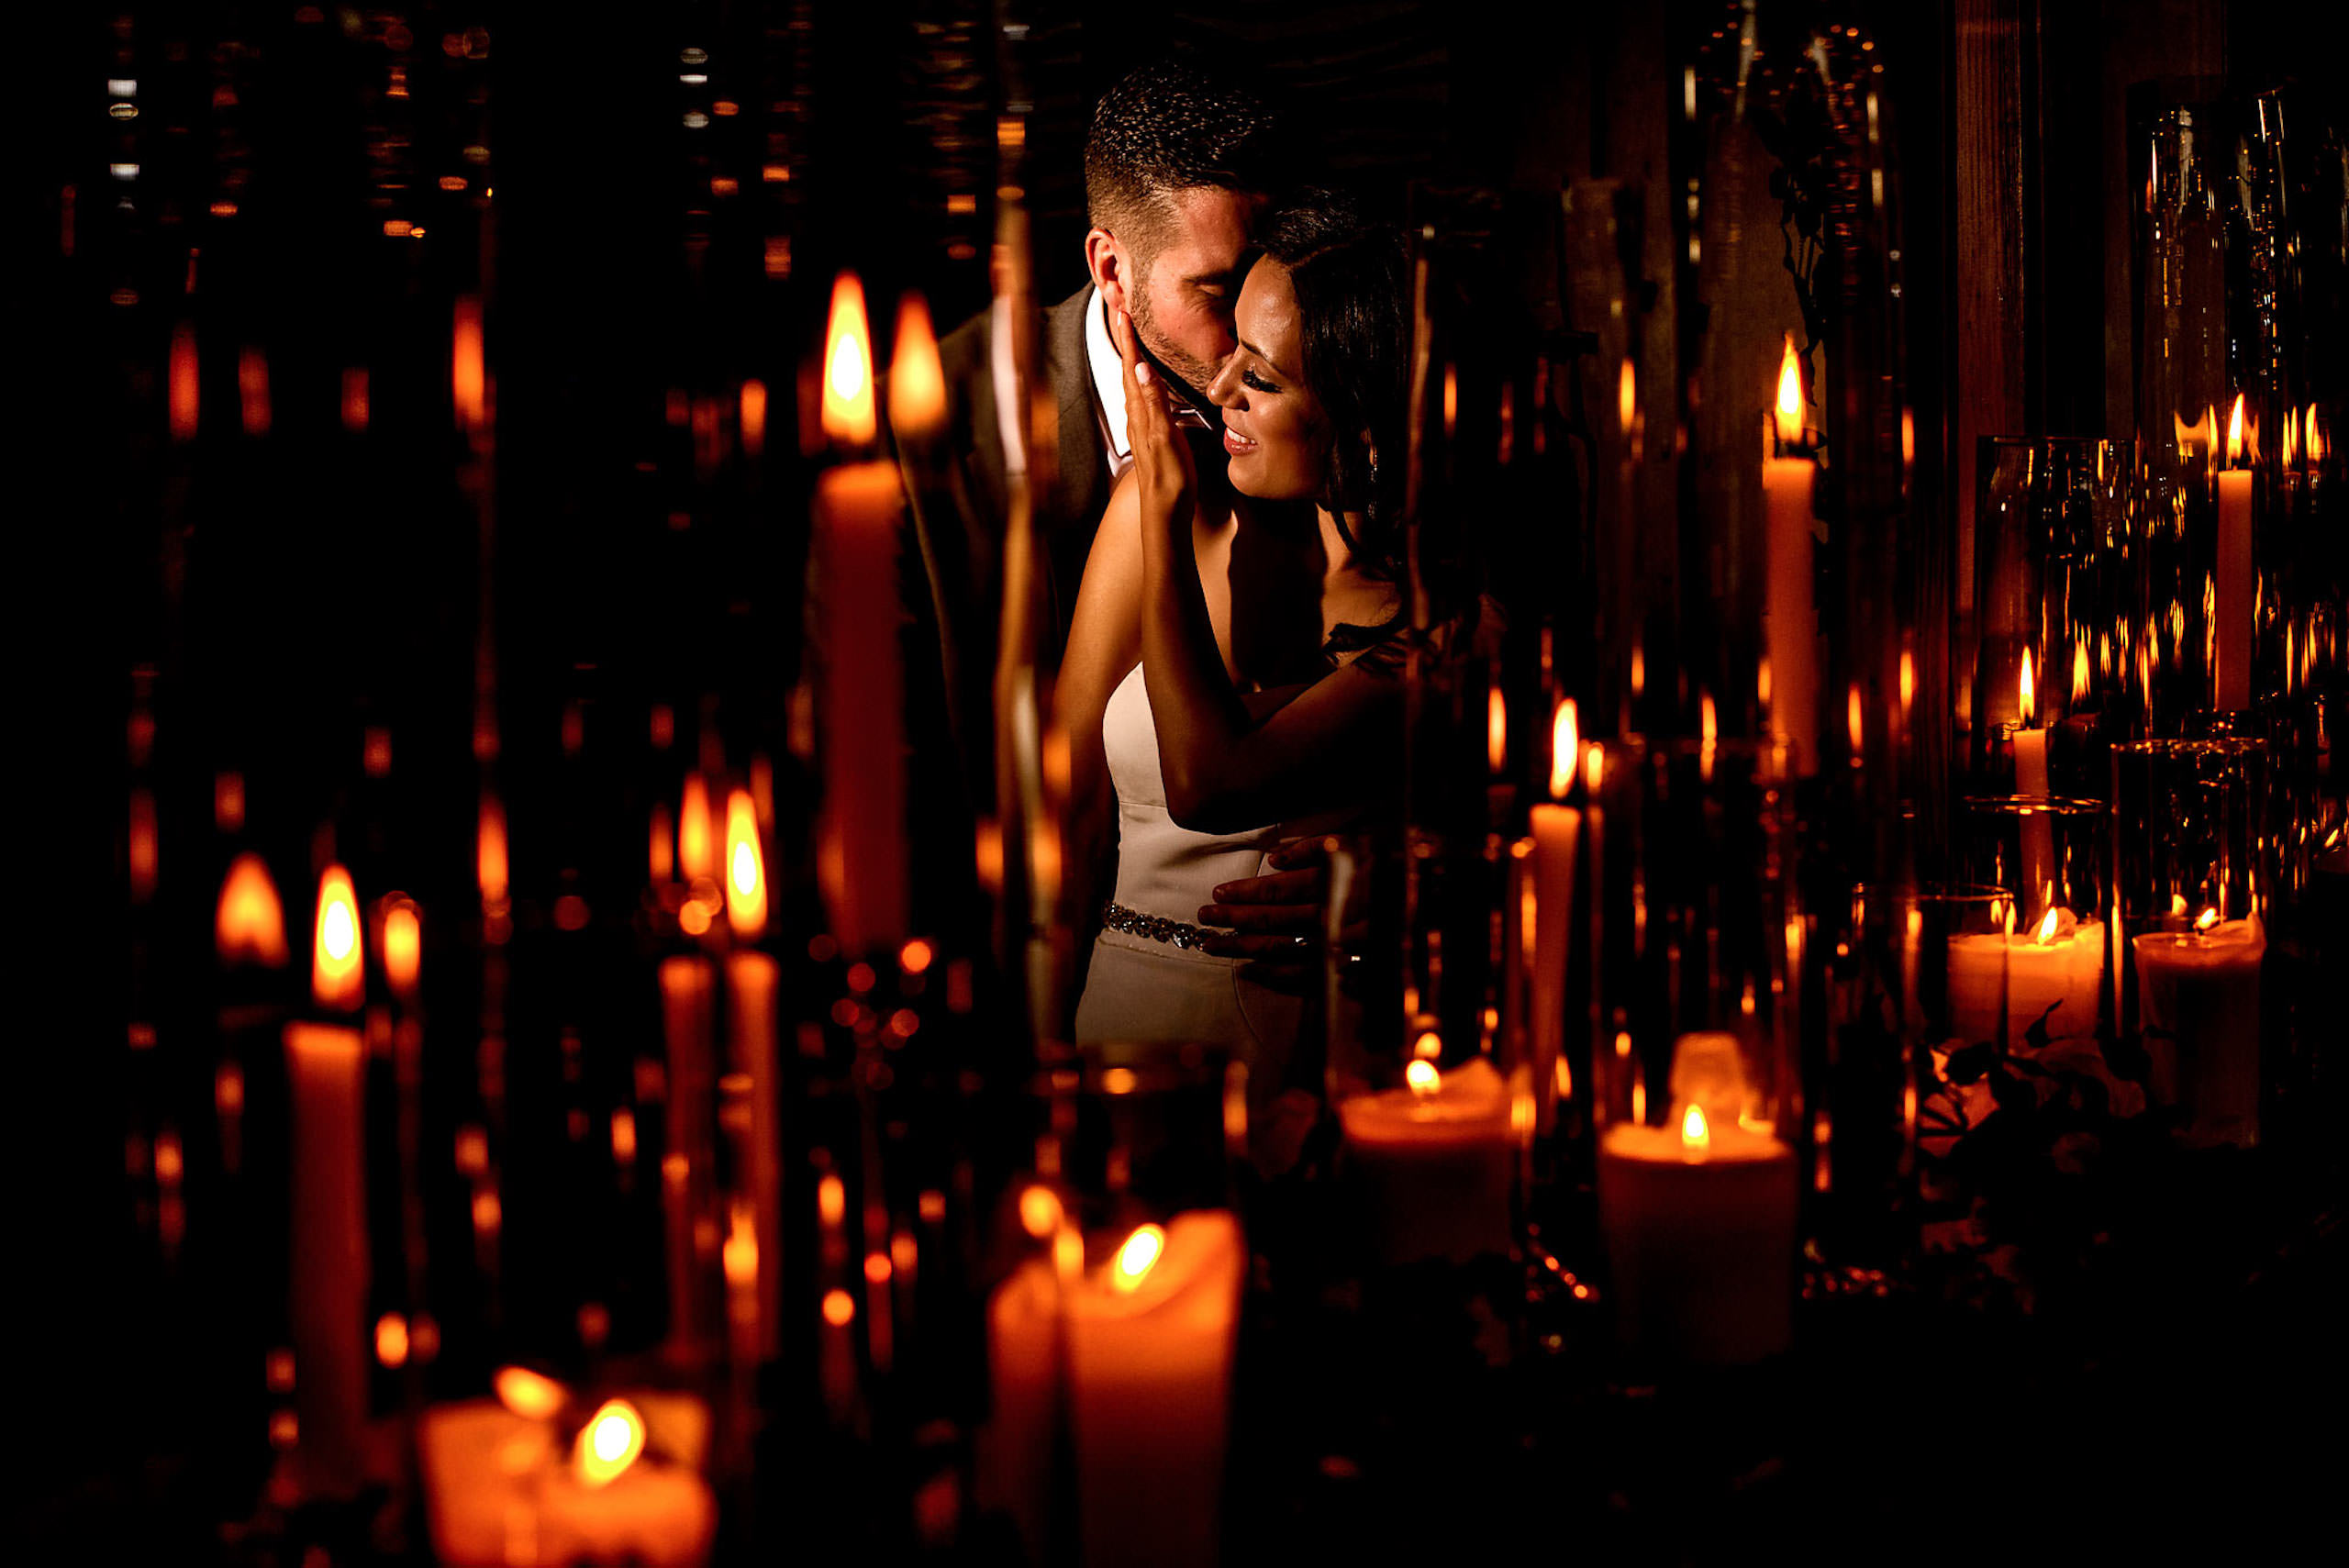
pixel 1108 374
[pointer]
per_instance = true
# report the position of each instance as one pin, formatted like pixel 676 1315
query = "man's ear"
pixel 1106 261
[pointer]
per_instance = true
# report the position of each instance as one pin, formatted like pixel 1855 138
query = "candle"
pixel 862 856
pixel 501 1486
pixel 1699 1221
pixel 1793 630
pixel 2030 780
pixel 1431 1160
pixel 1148 1341
pixel 751 980
pixel 2232 577
pixel 687 1172
pixel 1555 831
pixel 2053 972
pixel 2199 991
pixel 326 1064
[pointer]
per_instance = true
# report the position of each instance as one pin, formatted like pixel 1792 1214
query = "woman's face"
pixel 1275 432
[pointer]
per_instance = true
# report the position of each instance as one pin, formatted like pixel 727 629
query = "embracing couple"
pixel 1232 597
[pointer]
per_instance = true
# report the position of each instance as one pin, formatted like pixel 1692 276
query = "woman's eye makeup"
pixel 1250 378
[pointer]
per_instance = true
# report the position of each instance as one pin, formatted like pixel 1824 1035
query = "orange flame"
pixel 1627 395
pixel 848 366
pixel 251 925
pixel 2046 932
pixel 609 1442
pixel 2313 441
pixel 1039 1212
pixel 1137 1258
pixel 403 946
pixel 2205 921
pixel 336 980
pixel 2027 690
pixel 532 1396
pixel 1496 729
pixel 752 409
pixel 1565 745
pixel 1696 1137
pixel 1428 1047
pixel 184 388
pixel 746 878
pixel 2235 433
pixel 2079 671
pixel 694 830
pixel 1789 412
pixel 1422 1078
pixel 916 381
pixel 489 859
pixel 467 380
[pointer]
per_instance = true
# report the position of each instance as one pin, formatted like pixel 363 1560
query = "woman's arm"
pixel 1104 641
pixel 1224 769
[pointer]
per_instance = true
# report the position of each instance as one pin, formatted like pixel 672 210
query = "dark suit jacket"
pixel 958 506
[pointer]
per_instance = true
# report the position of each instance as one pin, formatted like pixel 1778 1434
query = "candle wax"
pixel 2231 592
pixel 1555 829
pixel 327 1065
pixel 862 862
pixel 1794 623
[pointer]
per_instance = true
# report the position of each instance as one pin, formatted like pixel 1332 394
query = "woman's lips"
pixel 1237 444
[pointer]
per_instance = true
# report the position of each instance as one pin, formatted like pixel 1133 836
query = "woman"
pixel 1233 674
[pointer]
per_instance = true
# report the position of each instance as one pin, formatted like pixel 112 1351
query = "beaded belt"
pixel 1156 928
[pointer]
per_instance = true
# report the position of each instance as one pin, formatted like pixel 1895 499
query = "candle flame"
pixel 1695 1135
pixel 2313 441
pixel 467 381
pixel 693 856
pixel 1789 412
pixel 1495 728
pixel 831 1201
pixel 746 879
pixel 2027 690
pixel 1422 1077
pixel 335 978
pixel 1565 744
pixel 848 366
pixel 2235 433
pixel 1907 680
pixel 1039 1212
pixel 1428 1047
pixel 1594 766
pixel 251 925
pixel 1853 715
pixel 1137 1258
pixel 490 855
pixel 738 1256
pixel 610 1441
pixel 2046 932
pixel 183 382
pixel 2079 671
pixel 916 381
pixel 839 1308
pixel 1707 721
pixel 403 946
pixel 751 405
pixel 530 1394
pixel 1627 395
pixel 2205 921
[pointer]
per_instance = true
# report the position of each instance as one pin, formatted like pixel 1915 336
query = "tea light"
pixel 2053 971
pixel 2199 991
pixel 1699 1222
pixel 1432 1163
pixel 1149 1344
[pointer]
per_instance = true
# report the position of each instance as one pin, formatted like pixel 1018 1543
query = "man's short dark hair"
pixel 1170 127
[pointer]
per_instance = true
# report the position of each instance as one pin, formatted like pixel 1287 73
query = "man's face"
pixel 1181 298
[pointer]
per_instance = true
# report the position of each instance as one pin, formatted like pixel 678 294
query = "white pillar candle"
pixel 1149 1358
pixel 1555 831
pixel 2052 971
pixel 326 1068
pixel 1794 623
pixel 1431 1160
pixel 2231 588
pixel 1699 1224
pixel 2199 996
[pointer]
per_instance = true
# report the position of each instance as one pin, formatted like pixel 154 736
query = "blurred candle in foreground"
pixel 326 1066
pixel 861 860
pixel 1147 1340
pixel 1698 1217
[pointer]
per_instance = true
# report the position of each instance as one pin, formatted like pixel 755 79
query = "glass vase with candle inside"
pixel 1696 1098
pixel 1111 1334
pixel 1955 942
pixel 2054 852
pixel 2195 863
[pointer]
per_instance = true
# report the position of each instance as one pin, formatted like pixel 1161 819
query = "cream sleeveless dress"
pixel 1140 989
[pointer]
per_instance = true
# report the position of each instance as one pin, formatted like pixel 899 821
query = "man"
pixel 1177 165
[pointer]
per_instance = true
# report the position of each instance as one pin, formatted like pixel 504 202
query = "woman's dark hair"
pixel 1352 278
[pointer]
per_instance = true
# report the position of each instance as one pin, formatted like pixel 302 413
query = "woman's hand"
pixel 1162 461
